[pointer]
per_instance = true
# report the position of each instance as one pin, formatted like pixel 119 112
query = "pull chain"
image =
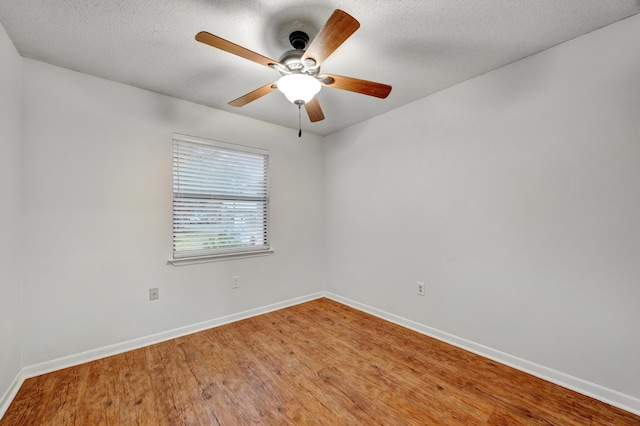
pixel 299 120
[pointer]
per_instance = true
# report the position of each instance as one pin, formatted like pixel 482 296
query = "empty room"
pixel 246 212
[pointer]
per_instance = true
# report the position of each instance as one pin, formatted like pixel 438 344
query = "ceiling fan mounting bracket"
pixel 326 80
pixel 299 40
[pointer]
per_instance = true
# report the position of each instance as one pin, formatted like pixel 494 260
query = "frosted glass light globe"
pixel 299 88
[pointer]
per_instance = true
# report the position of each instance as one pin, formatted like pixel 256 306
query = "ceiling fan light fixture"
pixel 299 88
pixel 300 67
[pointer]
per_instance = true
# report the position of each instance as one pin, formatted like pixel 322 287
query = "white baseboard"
pixel 601 393
pixel 609 396
pixel 11 393
pixel 93 354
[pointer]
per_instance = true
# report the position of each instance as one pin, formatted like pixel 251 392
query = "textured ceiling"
pixel 419 47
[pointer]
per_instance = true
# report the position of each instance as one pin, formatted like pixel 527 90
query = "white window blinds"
pixel 220 198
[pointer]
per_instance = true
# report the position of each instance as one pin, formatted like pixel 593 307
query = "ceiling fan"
pixel 300 68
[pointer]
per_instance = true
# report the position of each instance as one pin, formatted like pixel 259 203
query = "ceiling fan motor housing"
pixel 292 61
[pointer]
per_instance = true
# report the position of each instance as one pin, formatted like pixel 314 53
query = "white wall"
pixel 516 198
pixel 10 214
pixel 97 197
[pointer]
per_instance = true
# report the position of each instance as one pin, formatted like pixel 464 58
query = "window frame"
pixel 209 255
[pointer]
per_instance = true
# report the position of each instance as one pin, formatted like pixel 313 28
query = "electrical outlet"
pixel 154 293
pixel 420 288
pixel 235 283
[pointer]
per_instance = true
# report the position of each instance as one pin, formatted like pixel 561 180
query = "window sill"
pixel 218 257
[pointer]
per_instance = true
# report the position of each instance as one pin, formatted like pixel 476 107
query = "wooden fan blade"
pixel 338 28
pixel 313 110
pixel 356 85
pixel 227 46
pixel 252 96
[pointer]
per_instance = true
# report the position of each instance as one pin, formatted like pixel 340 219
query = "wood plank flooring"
pixel 318 363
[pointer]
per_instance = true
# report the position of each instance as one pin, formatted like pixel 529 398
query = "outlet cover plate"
pixel 154 293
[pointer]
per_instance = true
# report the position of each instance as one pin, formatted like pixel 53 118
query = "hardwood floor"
pixel 317 363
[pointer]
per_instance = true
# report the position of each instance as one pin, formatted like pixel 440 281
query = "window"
pixel 220 199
